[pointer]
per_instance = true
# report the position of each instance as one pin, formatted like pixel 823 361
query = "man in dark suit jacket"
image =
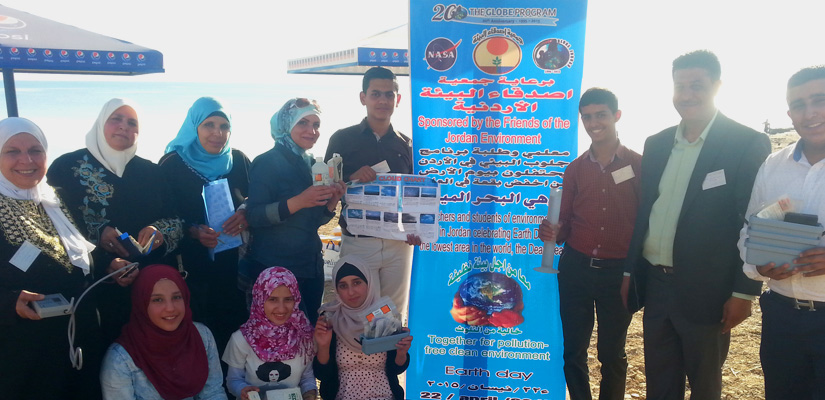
pixel 683 265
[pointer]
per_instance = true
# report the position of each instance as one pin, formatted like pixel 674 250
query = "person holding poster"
pixel 366 148
pixel 792 335
pixel 683 260
pixel 598 207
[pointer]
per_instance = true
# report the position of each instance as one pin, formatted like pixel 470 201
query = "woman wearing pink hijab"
pixel 274 348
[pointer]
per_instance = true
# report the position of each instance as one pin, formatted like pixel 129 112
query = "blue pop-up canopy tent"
pixel 29 43
pixel 387 49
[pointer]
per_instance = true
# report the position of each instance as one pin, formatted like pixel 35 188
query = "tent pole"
pixel 11 93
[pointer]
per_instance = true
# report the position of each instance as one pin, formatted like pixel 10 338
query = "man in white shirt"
pixel 793 307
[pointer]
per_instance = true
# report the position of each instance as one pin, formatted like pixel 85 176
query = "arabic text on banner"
pixel 495 90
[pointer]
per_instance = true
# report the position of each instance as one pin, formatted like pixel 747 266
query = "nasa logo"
pixel 14 51
pixel 79 54
pixel 7 22
pixel 64 53
pixel 127 57
pixel 31 52
pixel 95 55
pixel 441 53
pixel 110 55
pixel 141 57
pixel 48 53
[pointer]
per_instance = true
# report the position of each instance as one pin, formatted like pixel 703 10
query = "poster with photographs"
pixel 393 206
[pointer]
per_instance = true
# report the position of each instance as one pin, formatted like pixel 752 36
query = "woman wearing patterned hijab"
pixel 285 209
pixel 274 348
pixel 107 188
pixel 200 154
pixel 43 254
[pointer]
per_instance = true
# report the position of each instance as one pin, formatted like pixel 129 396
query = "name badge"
pixel 24 256
pixel 714 179
pixel 622 174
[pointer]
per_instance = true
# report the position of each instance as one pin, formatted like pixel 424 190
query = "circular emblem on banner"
pixel 497 55
pixel 126 57
pixel 80 54
pixel 14 51
pixel 141 57
pixel 64 53
pixel 110 55
pixel 441 54
pixel 48 53
pixel 31 52
pixel 552 55
pixel 7 22
pixel 95 55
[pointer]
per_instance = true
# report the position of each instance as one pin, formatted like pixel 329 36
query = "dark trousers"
pixel 792 351
pixel 581 286
pixel 676 347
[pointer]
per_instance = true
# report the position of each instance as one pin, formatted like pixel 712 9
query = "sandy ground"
pixel 742 374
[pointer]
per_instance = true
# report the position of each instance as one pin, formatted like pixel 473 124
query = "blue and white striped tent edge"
pixel 387 49
pixel 33 44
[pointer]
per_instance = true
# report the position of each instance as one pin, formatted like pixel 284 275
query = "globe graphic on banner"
pixel 497 55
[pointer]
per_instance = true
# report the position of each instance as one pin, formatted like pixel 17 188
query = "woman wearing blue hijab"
pixel 285 209
pixel 200 154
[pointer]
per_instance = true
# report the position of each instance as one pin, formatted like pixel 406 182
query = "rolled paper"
pixel 553 208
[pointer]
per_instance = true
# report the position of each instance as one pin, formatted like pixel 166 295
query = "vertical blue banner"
pixel 495 89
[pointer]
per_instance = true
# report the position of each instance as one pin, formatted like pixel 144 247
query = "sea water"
pixel 66 110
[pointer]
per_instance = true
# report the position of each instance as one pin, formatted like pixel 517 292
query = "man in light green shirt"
pixel 683 265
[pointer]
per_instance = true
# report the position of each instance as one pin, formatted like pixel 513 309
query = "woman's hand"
pixel 338 190
pixel 312 196
pixel 205 235
pixel 122 280
pixel 402 347
pixel 310 394
pixel 110 242
pixel 235 224
pixel 146 234
pixel 323 332
pixel 323 338
pixel 22 306
pixel 246 390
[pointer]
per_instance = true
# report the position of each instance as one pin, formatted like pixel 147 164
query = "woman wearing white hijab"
pixel 42 253
pixel 108 188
